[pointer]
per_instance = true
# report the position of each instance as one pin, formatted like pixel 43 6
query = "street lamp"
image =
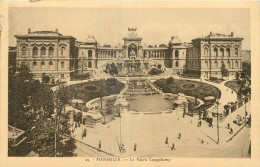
pixel 217 103
pixel 244 97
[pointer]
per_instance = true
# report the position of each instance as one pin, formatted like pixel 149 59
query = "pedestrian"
pixel 99 144
pixel 179 135
pixel 166 140
pixel 231 130
pixel 228 125
pixel 202 141
pixel 135 147
pixel 173 147
pixel 200 122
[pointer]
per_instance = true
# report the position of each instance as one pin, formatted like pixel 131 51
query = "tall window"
pixel 24 51
pixel 34 65
pixel 51 64
pixel 35 51
pixel 176 53
pixel 176 64
pixel 236 64
pixel 216 64
pixel 43 51
pixel 206 51
pixel 215 52
pixel 228 52
pixel 51 51
pixel 228 63
pixel 221 52
pixel 206 64
pixel 90 54
pixel 62 65
pixel 236 51
pixel 42 65
pixel 89 64
pixel 62 51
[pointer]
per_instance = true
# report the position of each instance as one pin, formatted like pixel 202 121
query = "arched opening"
pixel 206 64
pixel 176 53
pixel 228 52
pixel 89 64
pixel 51 51
pixel 132 51
pixel 236 51
pixel 215 52
pixel 221 52
pixel 42 65
pixel 90 54
pixel 228 63
pixel 35 51
pixel 206 51
pixel 216 64
pixel 34 65
pixel 23 51
pixel 62 65
pixel 236 64
pixel 176 64
pixel 51 64
pixel 43 51
pixel 62 50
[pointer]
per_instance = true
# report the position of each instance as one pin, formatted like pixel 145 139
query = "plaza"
pixel 140 100
pixel 150 119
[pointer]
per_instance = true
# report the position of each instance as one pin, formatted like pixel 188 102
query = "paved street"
pixel 150 132
pixel 237 148
pixel 83 150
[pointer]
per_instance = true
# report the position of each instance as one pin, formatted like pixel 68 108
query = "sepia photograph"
pixel 126 82
pixel 145 84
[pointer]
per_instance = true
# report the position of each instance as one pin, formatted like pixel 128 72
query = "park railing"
pixel 232 107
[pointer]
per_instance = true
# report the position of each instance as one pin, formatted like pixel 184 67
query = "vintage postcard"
pixel 129 83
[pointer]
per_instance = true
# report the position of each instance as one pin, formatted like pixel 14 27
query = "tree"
pixel 30 108
pixel 45 78
pixel 42 100
pixel 63 98
pixel 43 137
pixel 246 66
pixel 111 69
pixel 170 81
pixel 19 92
pixel 237 75
pixel 155 71
pixel 224 71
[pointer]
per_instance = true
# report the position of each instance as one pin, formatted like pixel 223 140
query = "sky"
pixel 110 25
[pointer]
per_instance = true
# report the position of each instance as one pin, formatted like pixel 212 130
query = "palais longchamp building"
pixel 61 57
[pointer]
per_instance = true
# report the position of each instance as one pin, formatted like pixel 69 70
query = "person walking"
pixel 228 125
pixel 173 147
pixel 99 144
pixel 231 130
pixel 135 147
pixel 166 140
pixel 179 136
